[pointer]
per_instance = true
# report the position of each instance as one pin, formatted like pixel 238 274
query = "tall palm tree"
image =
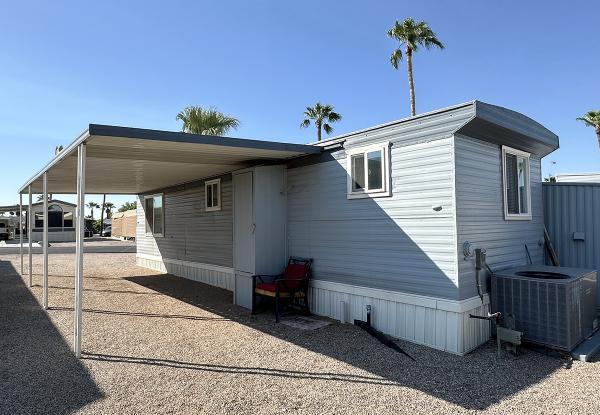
pixel 108 207
pixel 411 35
pixel 92 206
pixel 321 115
pixel 198 120
pixel 592 119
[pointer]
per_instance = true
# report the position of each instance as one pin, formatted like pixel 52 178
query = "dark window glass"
pixel 358 172
pixel 149 212
pixel 158 210
pixel 209 196
pixel 512 188
pixel 374 164
pixel 68 220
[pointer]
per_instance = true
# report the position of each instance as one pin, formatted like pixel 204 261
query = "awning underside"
pixel 133 165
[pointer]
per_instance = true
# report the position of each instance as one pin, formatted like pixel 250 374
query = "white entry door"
pixel 243 245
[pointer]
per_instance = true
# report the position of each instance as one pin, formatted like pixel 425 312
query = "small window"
pixel 212 192
pixel 153 208
pixel 517 184
pixel 368 172
pixel 68 220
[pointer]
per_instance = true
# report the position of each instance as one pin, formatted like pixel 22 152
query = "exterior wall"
pixel 433 322
pixel 54 235
pixel 396 243
pixel 571 217
pixel 195 241
pixel 480 212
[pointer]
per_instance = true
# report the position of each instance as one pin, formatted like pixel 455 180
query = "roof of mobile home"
pixel 124 160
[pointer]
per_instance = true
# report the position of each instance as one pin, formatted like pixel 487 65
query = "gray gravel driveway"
pixel 160 344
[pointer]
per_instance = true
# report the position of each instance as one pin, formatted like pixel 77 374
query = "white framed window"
pixel 516 184
pixel 155 215
pixel 212 194
pixel 368 171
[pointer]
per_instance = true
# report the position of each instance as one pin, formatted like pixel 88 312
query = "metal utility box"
pixel 552 306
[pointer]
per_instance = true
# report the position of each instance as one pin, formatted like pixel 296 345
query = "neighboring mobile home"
pixel 61 220
pixel 389 214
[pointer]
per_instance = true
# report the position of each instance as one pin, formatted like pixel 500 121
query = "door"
pixel 243 223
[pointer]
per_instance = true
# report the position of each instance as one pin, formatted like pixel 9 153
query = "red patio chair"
pixel 292 285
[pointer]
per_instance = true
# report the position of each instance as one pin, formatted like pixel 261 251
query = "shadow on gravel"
pixel 38 372
pixel 146 315
pixel 239 370
pixel 474 382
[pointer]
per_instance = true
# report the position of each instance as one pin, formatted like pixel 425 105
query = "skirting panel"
pixel 438 323
pixel 215 275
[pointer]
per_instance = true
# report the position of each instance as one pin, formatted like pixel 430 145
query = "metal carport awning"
pixel 121 160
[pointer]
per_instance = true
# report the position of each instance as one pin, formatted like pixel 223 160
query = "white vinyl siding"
pixel 191 233
pixel 480 212
pixel 398 243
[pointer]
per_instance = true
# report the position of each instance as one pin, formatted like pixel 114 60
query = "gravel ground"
pixel 161 344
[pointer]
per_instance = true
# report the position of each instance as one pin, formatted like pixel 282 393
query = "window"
pixel 55 216
pixel 68 220
pixel 153 208
pixel 368 172
pixel 517 186
pixel 212 190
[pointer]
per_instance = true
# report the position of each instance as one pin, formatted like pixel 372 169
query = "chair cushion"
pixel 266 286
pixel 294 272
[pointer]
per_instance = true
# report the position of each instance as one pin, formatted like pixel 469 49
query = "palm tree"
pixel 592 119
pixel 108 207
pixel 321 116
pixel 411 35
pixel 197 120
pixel 92 206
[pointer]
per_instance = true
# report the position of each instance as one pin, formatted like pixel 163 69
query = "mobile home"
pixel 390 215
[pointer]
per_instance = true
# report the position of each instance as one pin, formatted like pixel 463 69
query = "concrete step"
pixel 588 349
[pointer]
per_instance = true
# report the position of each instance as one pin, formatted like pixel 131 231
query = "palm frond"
pixel 320 113
pixel 396 57
pixel 591 119
pixel 198 120
pixel 413 35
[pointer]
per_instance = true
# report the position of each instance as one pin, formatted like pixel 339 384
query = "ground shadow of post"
pixel 371 242
pixel 38 372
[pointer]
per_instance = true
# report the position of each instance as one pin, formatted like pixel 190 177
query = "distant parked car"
pixel 107 231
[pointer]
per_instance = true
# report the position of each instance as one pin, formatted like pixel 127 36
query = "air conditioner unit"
pixel 552 306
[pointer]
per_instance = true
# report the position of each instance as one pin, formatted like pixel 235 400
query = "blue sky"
pixel 137 63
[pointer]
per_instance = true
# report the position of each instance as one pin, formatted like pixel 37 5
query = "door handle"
pixel 253 227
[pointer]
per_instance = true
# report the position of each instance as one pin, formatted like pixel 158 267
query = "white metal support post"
pixel 45 241
pixel 29 227
pixel 79 247
pixel 21 229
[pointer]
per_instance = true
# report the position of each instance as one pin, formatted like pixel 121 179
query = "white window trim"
pixel 159 235
pixel 513 216
pixel 210 183
pixel 361 194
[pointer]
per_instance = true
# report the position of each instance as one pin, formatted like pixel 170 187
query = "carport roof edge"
pixel 100 130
